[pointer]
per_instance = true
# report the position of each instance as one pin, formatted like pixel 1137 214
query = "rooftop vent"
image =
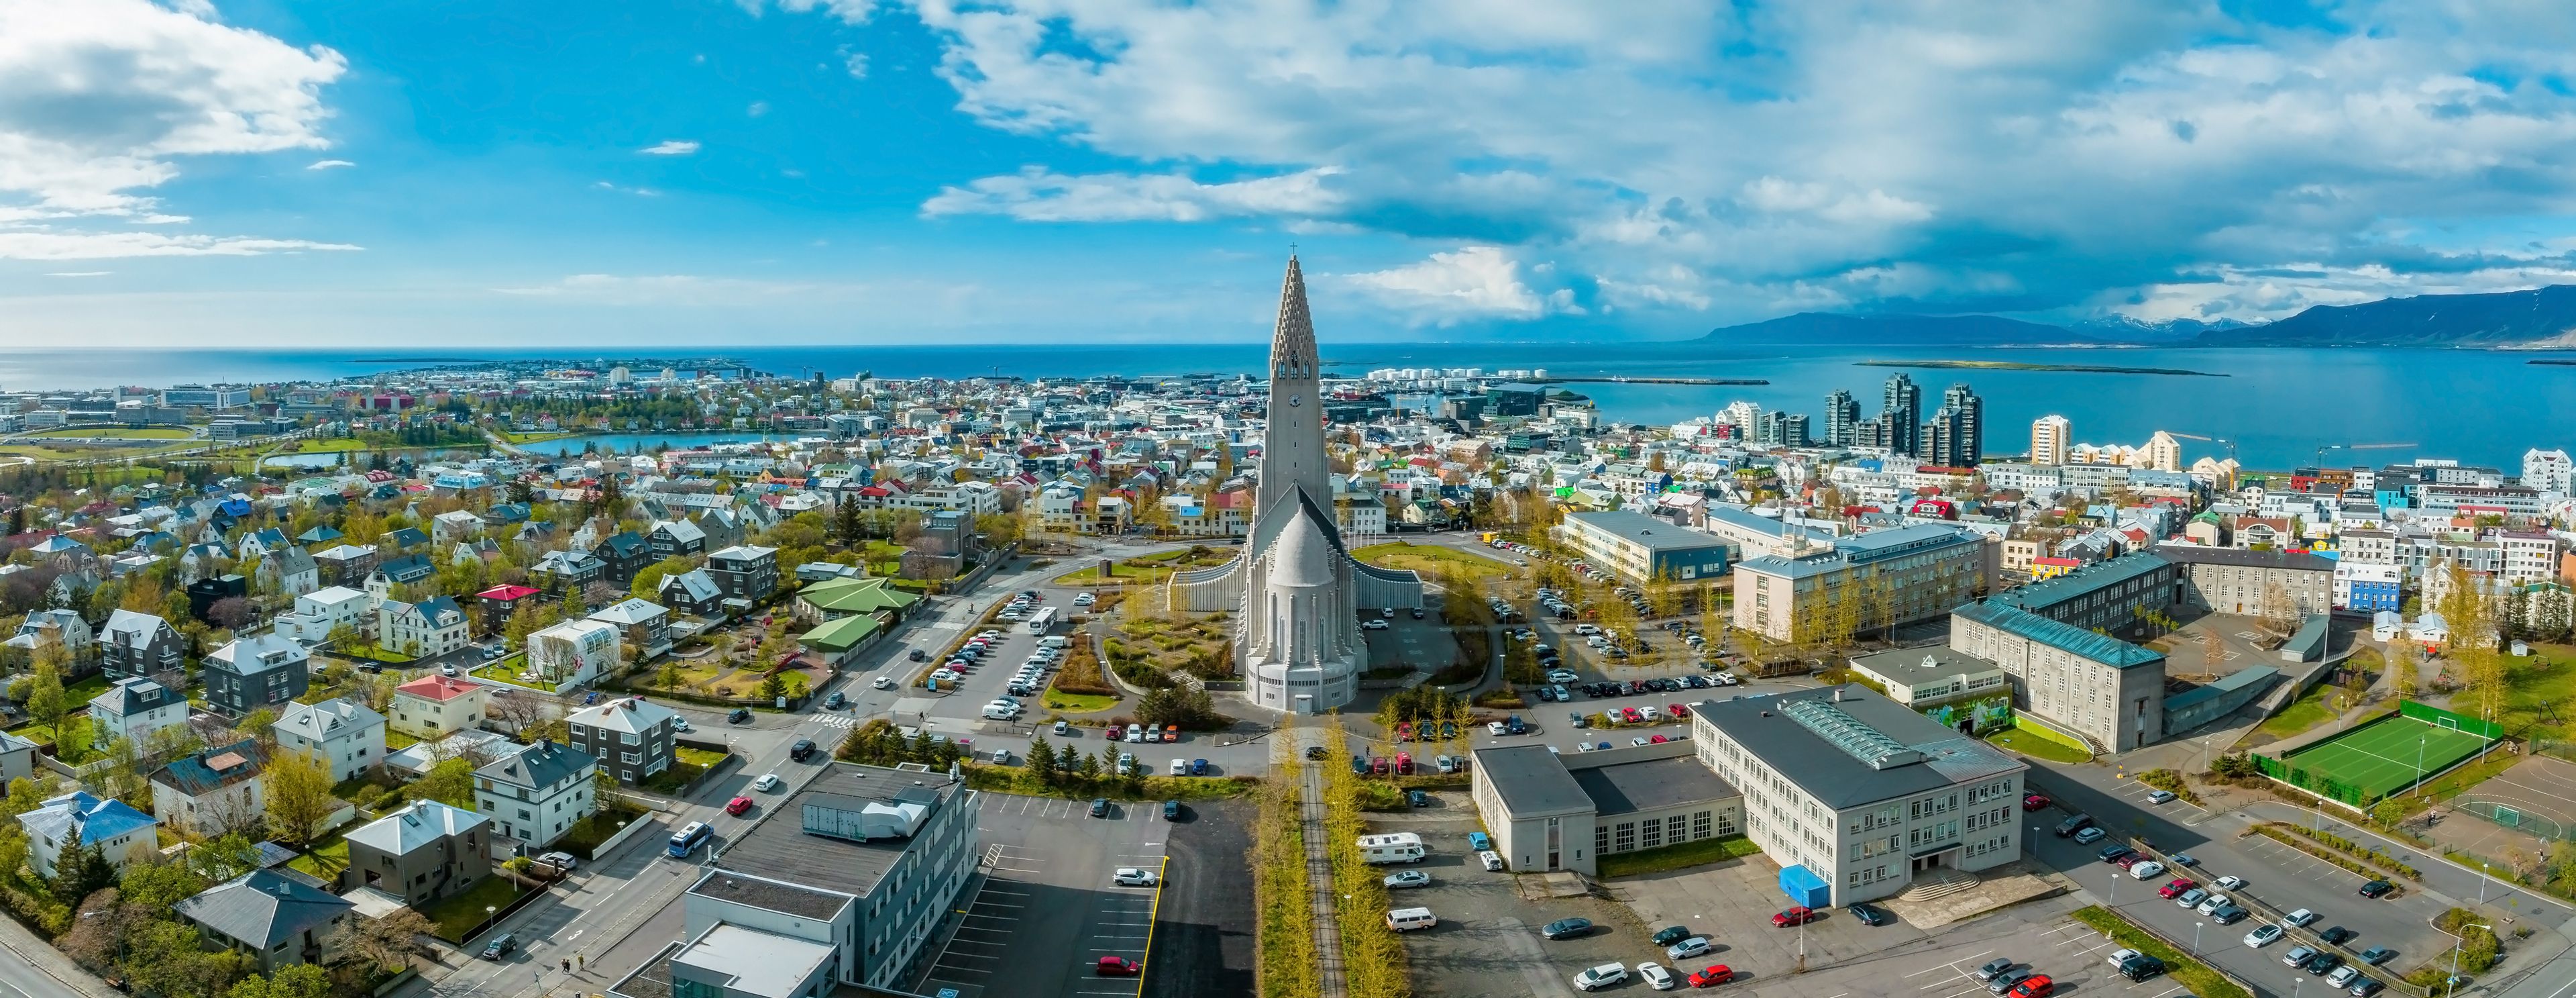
pixel 1860 741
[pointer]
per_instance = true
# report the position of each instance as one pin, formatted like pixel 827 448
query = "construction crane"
pixel 2231 445
pixel 2323 448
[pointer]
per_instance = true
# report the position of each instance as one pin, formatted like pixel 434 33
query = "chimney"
pixel 1838 694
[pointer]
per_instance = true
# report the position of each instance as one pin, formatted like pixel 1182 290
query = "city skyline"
pixel 677 172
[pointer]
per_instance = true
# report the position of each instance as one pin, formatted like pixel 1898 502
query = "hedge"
pixel 2202 980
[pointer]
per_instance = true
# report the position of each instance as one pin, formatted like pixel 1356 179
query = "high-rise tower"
pixel 1902 412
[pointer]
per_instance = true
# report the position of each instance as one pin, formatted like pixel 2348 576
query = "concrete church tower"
pixel 1295 591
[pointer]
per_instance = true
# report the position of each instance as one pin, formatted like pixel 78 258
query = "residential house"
pixel 499 602
pixel 408 570
pixel 429 628
pixel 204 593
pixel 723 527
pixel 265 670
pixel 675 538
pixel 291 571
pixel 403 539
pixel 80 819
pixel 632 738
pixel 621 556
pixel 322 611
pixel 574 652
pixel 421 853
pixel 560 572
pixel 212 791
pixel 454 527
pixel 274 918
pixel 139 644
pixel 17 757
pixel 537 795
pixel 63 631
pixel 436 706
pixel 745 574
pixel 343 735
pixel 693 592
pixel 346 564
pixel 642 625
pixel 132 709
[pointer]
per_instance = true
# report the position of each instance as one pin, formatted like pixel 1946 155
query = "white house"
pixel 133 709
pixel 535 796
pixel 434 706
pixel 574 652
pixel 431 627
pixel 318 612
pixel 343 735
pixel 212 791
pixel 79 819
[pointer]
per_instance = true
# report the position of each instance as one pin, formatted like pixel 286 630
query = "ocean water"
pixel 2278 406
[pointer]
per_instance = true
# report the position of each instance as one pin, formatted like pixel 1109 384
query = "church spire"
pixel 1292 341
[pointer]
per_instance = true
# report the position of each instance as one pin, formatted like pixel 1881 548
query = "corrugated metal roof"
pixel 2098 647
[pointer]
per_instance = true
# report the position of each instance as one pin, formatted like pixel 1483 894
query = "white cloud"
pixel 80 273
pixel 42 244
pixel 1475 282
pixel 1040 196
pixel 101 100
pixel 852 12
pixel 642 192
pixel 2018 155
pixel 856 63
pixel 329 164
pixel 757 108
pixel 671 147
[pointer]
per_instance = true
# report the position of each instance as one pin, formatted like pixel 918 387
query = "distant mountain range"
pixel 2545 317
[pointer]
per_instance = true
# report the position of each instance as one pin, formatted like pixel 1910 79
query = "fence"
pixel 2440 718
pixel 2505 815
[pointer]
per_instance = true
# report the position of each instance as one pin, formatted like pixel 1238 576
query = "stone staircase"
pixel 1938 882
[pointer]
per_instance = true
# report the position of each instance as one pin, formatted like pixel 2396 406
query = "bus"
pixel 1045 619
pixel 688 839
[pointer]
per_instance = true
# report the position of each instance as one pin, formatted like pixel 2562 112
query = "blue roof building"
pixel 80 819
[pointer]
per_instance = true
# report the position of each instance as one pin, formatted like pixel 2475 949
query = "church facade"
pixel 1295 591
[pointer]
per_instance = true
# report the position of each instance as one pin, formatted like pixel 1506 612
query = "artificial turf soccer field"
pixel 2380 758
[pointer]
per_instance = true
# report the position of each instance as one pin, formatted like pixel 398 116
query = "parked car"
pixel 1407 879
pixel 1171 810
pixel 2159 796
pixel 1493 860
pixel 1117 966
pixel 1711 976
pixel 1567 928
pixel 2377 955
pixel 1669 934
pixel 2377 889
pixel 1995 968
pixel 2299 919
pixel 1652 973
pixel 1869 914
pixel 2337 935
pixel 1687 948
pixel 2004 983
pixel 2035 986
pixel 1796 915
pixel 740 715
pixel 2229 883
pixel 1100 807
pixel 2263 935
pixel 2089 836
pixel 2191 898
pixel 2147 870
pixel 2174 889
pixel 1596 978
pixel 1129 876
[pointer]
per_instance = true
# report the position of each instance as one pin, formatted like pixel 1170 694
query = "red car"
pixel 1404 731
pixel 2034 802
pixel 1378 763
pixel 2034 986
pixel 1799 915
pixel 1117 966
pixel 737 806
pixel 1404 764
pixel 2129 860
pixel 1711 976
pixel 1678 710
pixel 1630 715
pixel 2175 889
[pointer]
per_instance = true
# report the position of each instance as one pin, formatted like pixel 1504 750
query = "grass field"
pixel 2383 756
pixel 2315 707
pixel 1430 559
pixel 137 433
pixel 329 445
pixel 1148 568
pixel 2036 747
pixel 1689 854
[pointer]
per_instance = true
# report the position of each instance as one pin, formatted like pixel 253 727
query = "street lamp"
pixel 2461 940
pixel 2419 766
pixel 2195 935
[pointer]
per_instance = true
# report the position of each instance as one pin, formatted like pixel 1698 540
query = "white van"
pixel 1054 641
pixel 1001 712
pixel 1409 919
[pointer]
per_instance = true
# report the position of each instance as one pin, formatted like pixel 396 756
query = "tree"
pixel 389 942
pixel 80 870
pixel 230 613
pixel 45 700
pixel 1042 759
pixel 168 958
pixel 299 796
pixel 449 781
pixel 773 687
pixel 296 980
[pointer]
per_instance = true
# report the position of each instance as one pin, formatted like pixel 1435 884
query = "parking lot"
pixel 1487 944
pixel 1045 911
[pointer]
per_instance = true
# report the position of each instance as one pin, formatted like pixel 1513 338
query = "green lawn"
pixel 534 438
pixel 2018 740
pixel 2537 691
pixel 2317 706
pixel 1687 854
pixel 460 914
pixel 82 692
pixel 507 671
pixel 700 758
pixel 324 861
pixel 329 445
pixel 1078 703
pixel 2189 973
pixel 1019 780
pixel 147 433
pixel 1430 559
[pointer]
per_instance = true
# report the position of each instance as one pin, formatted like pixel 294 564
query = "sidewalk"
pixel 65 977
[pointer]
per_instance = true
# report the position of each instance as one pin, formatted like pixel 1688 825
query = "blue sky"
pixel 680 172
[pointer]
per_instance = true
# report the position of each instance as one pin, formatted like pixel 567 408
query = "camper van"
pixel 1409 919
pixel 1400 847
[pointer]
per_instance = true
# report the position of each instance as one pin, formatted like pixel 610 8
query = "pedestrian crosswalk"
pixel 837 720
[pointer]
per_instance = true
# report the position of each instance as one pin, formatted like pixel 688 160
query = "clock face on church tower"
pixel 1296 400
